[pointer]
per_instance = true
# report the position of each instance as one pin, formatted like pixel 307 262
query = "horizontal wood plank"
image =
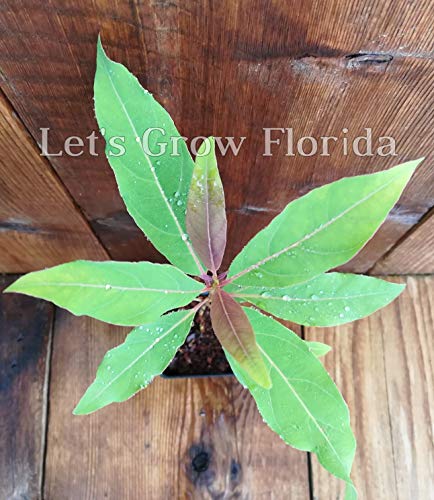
pixel 384 366
pixel 413 255
pixel 230 69
pixel 25 334
pixel 39 223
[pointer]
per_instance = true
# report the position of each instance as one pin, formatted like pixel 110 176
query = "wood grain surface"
pixel 183 438
pixel 25 334
pixel 414 254
pixel 384 366
pixel 39 223
pixel 229 69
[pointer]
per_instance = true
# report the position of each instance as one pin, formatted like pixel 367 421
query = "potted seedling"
pixel 283 272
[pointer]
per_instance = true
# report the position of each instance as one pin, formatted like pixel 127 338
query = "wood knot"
pixel 235 471
pixel 200 462
pixel 367 59
pixel 199 466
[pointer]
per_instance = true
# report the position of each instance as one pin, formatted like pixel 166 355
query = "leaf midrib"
pixel 219 295
pixel 114 287
pixel 299 299
pixel 208 233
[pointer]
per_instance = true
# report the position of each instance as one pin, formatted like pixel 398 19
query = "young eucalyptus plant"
pixel 179 204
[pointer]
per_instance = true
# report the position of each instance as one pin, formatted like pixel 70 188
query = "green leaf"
pixel 303 405
pixel 154 188
pixel 206 216
pixel 131 366
pixel 122 293
pixel 318 349
pixel 235 333
pixel 327 300
pixel 320 230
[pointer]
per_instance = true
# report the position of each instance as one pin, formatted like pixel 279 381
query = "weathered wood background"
pixel 225 68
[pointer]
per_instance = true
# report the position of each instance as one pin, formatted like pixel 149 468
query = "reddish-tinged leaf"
pixel 235 333
pixel 206 216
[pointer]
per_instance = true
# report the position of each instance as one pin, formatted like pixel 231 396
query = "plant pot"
pixel 201 355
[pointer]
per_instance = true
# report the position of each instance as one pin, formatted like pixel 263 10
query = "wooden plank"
pixel 180 438
pixel 384 366
pixel 221 68
pixel 25 333
pixel 270 468
pixel 39 224
pixel 414 255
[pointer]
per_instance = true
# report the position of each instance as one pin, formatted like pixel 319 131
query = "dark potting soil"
pixel 201 353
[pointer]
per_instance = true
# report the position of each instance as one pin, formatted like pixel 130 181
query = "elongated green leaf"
pixel 318 349
pixel 320 230
pixel 154 188
pixel 206 216
pixel 122 293
pixel 303 405
pixel 233 329
pixel 327 300
pixel 131 366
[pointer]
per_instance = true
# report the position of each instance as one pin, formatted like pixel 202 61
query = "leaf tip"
pixel 262 377
pixel 100 52
pixel 409 167
pixel 81 409
pixel 14 287
pixel 99 46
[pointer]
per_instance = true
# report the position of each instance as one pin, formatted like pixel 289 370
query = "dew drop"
pixel 265 294
pixel 314 297
pixel 177 195
pixel 286 298
pixel 184 237
pixel 107 287
pixel 179 203
pixel 347 308
pixel 341 315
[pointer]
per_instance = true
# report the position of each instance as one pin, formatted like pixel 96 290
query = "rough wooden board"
pixel 230 69
pixel 39 224
pixel 414 255
pixel 25 332
pixel 384 366
pixel 183 438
